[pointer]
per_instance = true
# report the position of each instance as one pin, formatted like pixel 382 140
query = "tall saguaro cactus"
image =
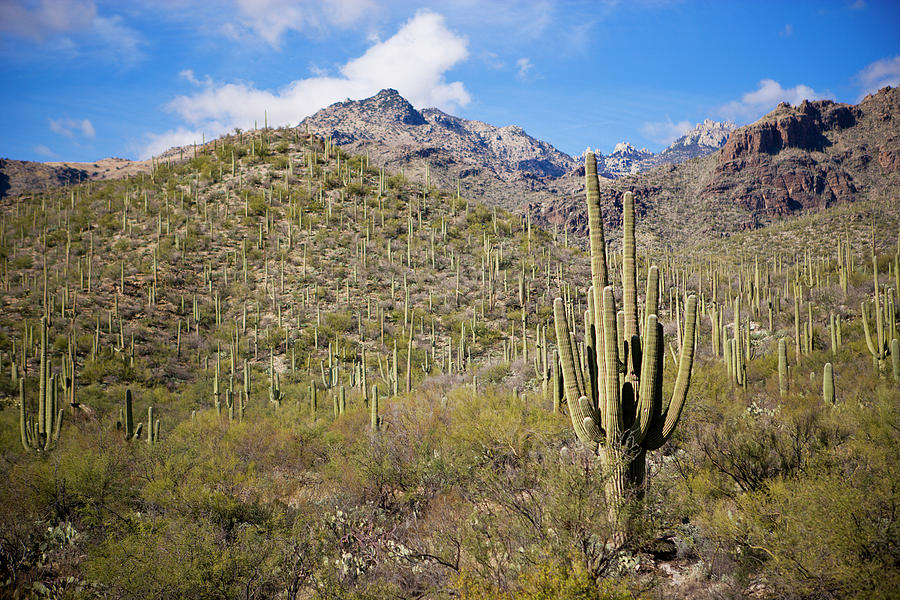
pixel 616 404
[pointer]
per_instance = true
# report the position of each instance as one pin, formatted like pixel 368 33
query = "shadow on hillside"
pixel 4 184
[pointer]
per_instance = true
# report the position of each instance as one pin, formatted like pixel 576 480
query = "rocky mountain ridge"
pixel 390 126
pixel 705 138
pixel 795 159
pixel 390 120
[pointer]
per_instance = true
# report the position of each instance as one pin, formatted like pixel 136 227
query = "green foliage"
pixel 546 582
pixel 840 539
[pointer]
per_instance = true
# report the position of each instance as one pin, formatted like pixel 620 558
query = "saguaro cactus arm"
pixel 661 429
pixel 585 417
pixel 875 344
pixel 611 407
pixel 651 379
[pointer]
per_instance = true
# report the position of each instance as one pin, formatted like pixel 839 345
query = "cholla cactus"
pixel 616 404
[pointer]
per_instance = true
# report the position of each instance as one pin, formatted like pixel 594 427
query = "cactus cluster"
pixel 41 432
pixel 125 424
pixel 883 340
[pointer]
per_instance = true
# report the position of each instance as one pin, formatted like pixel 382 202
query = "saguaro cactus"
pixel 828 384
pixel 125 424
pixel 374 418
pixel 783 368
pixel 616 405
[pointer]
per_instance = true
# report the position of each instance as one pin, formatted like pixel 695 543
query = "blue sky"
pixel 85 79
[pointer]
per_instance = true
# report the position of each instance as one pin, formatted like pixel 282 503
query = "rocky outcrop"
pixel 803 127
pixel 708 134
pixel 782 187
pixel 487 160
pixel 623 160
pixel 500 165
pixel 779 164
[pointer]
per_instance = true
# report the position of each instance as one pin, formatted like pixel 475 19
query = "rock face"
pixel 705 138
pixel 794 158
pixel 499 164
pixel 803 127
pixel 624 159
pixel 708 134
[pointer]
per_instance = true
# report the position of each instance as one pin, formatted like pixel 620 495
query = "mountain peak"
pixel 627 149
pixel 393 106
pixel 710 134
pixel 388 93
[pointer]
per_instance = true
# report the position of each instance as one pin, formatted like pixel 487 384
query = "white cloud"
pixel 159 143
pixel 72 127
pixel 39 20
pixel 753 105
pixel 271 19
pixel 665 132
pixel 414 61
pixel 879 74
pixel 44 151
pixel 112 33
pixel 188 75
pixel 523 67
pixel 492 61
pixel 71 28
pixel 787 31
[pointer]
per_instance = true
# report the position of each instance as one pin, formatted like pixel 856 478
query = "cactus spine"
pixel 616 404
